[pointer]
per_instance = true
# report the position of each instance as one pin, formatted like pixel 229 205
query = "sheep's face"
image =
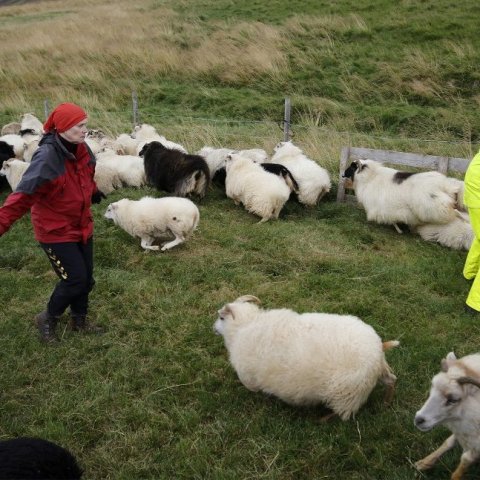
pixel 111 211
pixel 5 167
pixel 236 313
pixel 448 395
pixel 141 153
pixel 224 314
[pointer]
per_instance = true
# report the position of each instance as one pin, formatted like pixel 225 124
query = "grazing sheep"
pixel 151 218
pixel 390 196
pixel 36 459
pixel 13 169
pixel 305 359
pixel 129 168
pixel 262 193
pixel 106 178
pixel 32 123
pixel 282 172
pixel 454 401
pixel 457 234
pixel 174 171
pixel 313 180
pixel 16 141
pixel 146 134
pixel 13 127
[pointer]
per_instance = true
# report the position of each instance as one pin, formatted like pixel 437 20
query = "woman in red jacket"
pixel 58 188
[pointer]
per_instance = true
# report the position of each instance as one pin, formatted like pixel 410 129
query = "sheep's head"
pixel 111 212
pixel 448 394
pixel 5 167
pixel 239 311
pixel 355 167
pixel 142 152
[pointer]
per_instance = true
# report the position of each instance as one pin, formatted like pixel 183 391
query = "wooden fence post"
pixel 286 120
pixel 135 108
pixel 46 108
pixel 341 181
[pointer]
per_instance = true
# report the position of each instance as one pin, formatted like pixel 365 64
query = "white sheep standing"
pixel 106 178
pixel 150 218
pixel 305 359
pixel 454 401
pixel 146 133
pixel 391 197
pixel 128 144
pixel 216 158
pixel 30 148
pixel 13 169
pixel 457 234
pixel 258 155
pixel 313 180
pixel 262 193
pixel 129 168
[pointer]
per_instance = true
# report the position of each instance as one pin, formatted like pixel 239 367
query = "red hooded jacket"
pixel 57 187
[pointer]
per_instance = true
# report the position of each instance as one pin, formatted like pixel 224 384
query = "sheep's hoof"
pixel 328 417
pixel 422 465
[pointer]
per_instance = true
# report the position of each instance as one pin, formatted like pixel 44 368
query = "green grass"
pixel 155 397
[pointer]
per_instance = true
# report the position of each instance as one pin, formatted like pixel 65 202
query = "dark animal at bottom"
pixel 175 172
pixel 36 459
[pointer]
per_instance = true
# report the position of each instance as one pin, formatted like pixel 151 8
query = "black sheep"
pixel 174 171
pixel 34 459
pixel 6 152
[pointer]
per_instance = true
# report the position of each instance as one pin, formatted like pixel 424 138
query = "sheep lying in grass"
pixel 313 180
pixel 13 170
pixel 454 401
pixel 262 193
pixel 391 197
pixel 175 172
pixel 457 234
pixel 305 359
pixel 36 459
pixel 151 218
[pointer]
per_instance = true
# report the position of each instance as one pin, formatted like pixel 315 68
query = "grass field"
pixel 155 397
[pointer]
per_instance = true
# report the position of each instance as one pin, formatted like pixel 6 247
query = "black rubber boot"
pixel 80 323
pixel 46 325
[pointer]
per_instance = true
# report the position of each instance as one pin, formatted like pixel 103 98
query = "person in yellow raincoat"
pixel 472 263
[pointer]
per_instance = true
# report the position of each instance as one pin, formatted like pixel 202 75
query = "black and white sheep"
pixel 391 197
pixel 175 172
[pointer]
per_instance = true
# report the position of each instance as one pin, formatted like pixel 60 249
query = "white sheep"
pixel 216 158
pixel 128 144
pixel 150 218
pixel 146 133
pixel 129 168
pixel 454 401
pixel 31 122
pixel 262 193
pixel 106 178
pixel 30 148
pixel 313 180
pixel 305 359
pixel 12 127
pixel 13 169
pixel 391 197
pixel 457 234
pixel 258 155
pixel 16 141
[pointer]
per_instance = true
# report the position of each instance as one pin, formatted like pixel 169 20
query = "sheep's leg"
pixel 263 220
pixel 389 380
pixel 328 417
pixel 466 460
pixel 430 460
pixel 397 228
pixel 178 240
pixel 146 243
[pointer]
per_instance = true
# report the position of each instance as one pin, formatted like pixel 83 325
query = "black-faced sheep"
pixel 454 401
pixel 305 359
pixel 152 218
pixel 174 171
pixel 36 459
pixel 391 197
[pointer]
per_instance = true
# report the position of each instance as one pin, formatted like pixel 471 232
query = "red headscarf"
pixel 64 117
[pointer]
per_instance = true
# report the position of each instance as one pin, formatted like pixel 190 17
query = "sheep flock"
pixel 301 358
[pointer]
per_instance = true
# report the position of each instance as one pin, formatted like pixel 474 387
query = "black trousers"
pixel 73 264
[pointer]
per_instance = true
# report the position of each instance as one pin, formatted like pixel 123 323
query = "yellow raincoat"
pixel 472 201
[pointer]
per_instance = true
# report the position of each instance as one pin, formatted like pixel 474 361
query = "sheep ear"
pixel 448 361
pixel 249 299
